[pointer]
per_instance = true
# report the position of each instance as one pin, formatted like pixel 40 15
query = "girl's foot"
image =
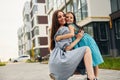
pixel 52 76
pixel 91 79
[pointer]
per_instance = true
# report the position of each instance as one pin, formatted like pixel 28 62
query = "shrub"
pixel 2 63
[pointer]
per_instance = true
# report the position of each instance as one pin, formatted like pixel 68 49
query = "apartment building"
pixel 95 16
pixel 39 27
pixel 24 39
pixel 33 35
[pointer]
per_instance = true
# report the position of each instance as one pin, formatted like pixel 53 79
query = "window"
pixel 40 1
pixel 89 29
pixel 42 20
pixel 27 17
pixel 81 11
pixel 46 29
pixel 44 51
pixel 70 7
pixel 117 28
pixel 28 34
pixel 35 9
pixel 36 30
pixel 43 41
pixel 103 31
pixel 115 5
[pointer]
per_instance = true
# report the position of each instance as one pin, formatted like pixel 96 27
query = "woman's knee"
pixel 88 49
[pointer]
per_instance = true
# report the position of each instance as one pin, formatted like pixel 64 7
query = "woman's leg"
pixel 88 63
pixel 96 69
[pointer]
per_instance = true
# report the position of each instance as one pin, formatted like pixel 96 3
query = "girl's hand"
pixel 80 35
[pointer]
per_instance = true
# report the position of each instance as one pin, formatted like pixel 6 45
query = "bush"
pixel 30 61
pixel 2 63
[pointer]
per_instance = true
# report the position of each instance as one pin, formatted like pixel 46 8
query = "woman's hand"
pixel 80 35
pixel 58 38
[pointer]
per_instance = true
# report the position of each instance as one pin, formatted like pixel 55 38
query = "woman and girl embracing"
pixel 70 46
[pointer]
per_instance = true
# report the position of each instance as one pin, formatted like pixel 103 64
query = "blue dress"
pixel 62 64
pixel 87 40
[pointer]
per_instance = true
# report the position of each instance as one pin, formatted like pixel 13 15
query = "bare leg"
pixel 88 64
pixel 96 70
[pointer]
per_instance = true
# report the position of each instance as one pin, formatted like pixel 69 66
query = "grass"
pixel 111 63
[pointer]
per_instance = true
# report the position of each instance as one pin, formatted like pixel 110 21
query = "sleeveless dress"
pixel 87 40
pixel 62 64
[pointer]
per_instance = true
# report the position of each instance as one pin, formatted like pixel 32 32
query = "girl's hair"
pixel 74 20
pixel 54 28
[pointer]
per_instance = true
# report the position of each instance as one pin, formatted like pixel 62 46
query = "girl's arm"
pixel 65 36
pixel 78 37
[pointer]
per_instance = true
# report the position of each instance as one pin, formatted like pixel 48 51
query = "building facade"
pixel 95 17
pixel 115 26
pixel 33 36
pixel 39 27
pixel 24 33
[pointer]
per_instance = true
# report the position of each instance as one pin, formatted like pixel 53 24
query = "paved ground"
pixel 37 71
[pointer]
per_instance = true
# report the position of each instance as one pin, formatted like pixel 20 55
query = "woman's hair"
pixel 54 28
pixel 74 20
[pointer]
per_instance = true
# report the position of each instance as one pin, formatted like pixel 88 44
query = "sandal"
pixel 93 79
pixel 52 76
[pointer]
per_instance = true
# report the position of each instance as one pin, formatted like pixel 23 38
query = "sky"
pixel 11 19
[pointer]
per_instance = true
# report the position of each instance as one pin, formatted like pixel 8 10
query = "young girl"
pixel 86 40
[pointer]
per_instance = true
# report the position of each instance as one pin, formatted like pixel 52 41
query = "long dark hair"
pixel 54 28
pixel 74 21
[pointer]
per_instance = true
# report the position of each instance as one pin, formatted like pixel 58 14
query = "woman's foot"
pixel 52 76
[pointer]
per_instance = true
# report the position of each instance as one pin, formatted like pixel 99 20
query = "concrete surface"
pixel 38 71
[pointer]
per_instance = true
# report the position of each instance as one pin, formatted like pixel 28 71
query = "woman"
pixel 86 40
pixel 63 60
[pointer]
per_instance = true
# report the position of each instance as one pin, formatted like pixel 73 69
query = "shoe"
pixel 93 79
pixel 52 76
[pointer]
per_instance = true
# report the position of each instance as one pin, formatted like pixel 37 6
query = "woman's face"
pixel 69 18
pixel 61 18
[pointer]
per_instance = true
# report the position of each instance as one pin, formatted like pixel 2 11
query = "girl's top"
pixel 87 40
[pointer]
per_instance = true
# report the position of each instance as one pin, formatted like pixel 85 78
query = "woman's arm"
pixel 65 36
pixel 78 37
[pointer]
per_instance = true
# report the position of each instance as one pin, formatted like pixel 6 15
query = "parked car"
pixel 22 58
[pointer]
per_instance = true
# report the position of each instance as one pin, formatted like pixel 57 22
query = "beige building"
pixel 94 16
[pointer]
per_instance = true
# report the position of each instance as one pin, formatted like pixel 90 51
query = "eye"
pixel 66 17
pixel 59 16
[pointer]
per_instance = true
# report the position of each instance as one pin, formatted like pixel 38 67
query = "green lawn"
pixel 110 63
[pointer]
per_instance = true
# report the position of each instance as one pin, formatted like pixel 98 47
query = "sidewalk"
pixel 38 71
pixel 104 74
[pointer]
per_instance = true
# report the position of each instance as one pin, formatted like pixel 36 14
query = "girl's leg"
pixel 96 69
pixel 88 63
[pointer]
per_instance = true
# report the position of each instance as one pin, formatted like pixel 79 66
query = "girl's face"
pixel 61 18
pixel 69 18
